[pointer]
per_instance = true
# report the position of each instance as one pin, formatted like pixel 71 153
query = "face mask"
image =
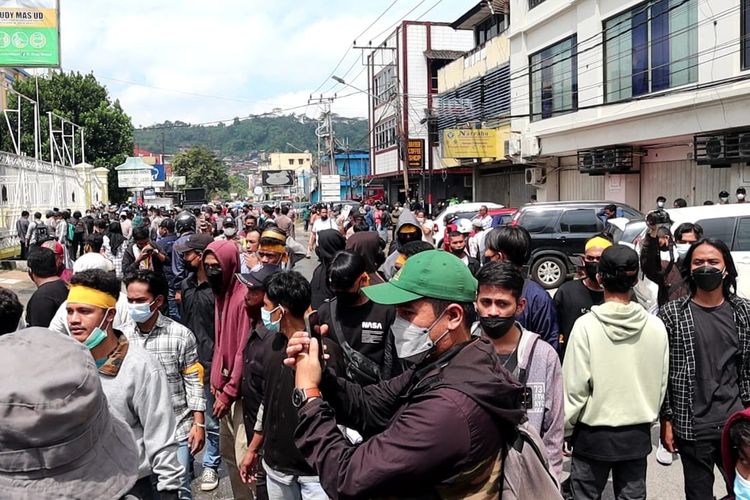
pixel 660 204
pixel 248 228
pixel 682 248
pixel 413 343
pixel 740 196
pixel 98 335
pixel 707 278
pixel 592 268
pixel 266 317
pixel 724 200
pixel 496 326
pixel 230 231
pixel 741 487
pixel 140 312
pixel 215 278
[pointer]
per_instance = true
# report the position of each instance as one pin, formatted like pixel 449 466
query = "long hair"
pixel 730 281
pixel 116 239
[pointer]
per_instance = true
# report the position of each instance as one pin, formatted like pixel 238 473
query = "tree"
pixel 108 131
pixel 201 168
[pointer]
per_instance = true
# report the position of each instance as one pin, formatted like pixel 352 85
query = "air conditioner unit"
pixel 530 145
pixel 721 149
pixel 534 176
pixel 600 161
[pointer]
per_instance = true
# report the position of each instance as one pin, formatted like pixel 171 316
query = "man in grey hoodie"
pixel 532 361
pixel 615 378
pixel 133 380
pixel 407 230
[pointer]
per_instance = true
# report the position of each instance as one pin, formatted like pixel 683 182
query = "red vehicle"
pixel 373 194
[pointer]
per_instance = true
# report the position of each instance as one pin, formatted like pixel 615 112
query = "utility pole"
pixel 324 131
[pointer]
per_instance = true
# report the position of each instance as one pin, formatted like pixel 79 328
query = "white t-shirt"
pixel 322 225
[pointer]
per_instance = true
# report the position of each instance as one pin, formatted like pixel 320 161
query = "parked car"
pixel 463 211
pixel 627 232
pixel 559 230
pixel 728 223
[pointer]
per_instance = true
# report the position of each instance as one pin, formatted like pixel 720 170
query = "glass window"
pixel 489 29
pixel 534 3
pixel 554 80
pixel 651 47
pixel 291 161
pixel 745 41
pixel 537 221
pixel 742 241
pixel 721 228
pixel 580 221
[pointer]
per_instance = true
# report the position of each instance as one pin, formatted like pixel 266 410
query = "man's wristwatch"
pixel 301 396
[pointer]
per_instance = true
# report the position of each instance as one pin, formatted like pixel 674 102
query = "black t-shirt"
pixel 45 302
pixel 573 299
pixel 366 328
pixel 279 414
pixel 717 390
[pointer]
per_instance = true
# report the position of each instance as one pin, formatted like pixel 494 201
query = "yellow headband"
pixel 272 248
pixel 79 294
pixel 408 229
pixel 598 242
pixel 273 234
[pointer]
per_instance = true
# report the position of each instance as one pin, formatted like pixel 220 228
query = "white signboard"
pixel 330 187
pixel 134 179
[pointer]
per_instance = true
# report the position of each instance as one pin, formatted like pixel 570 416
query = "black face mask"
pixel 215 278
pixel 707 279
pixel 592 268
pixel 347 298
pixel 497 326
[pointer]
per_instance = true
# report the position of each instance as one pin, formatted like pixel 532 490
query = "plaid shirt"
pixel 678 403
pixel 175 347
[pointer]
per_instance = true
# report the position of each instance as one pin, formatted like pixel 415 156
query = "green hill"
pixel 246 137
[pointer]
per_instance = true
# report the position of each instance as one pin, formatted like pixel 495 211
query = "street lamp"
pixel 343 82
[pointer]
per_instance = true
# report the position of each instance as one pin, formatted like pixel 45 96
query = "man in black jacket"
pixel 198 315
pixel 144 254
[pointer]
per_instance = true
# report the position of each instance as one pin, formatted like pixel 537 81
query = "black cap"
pixel 168 224
pixel 194 242
pixel 619 260
pixel 741 190
pixel 723 194
pixel 257 275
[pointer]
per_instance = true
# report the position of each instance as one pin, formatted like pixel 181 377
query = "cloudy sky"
pixel 202 61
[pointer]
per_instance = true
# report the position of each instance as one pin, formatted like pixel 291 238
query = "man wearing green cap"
pixel 435 429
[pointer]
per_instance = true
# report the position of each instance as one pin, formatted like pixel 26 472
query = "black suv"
pixel 559 230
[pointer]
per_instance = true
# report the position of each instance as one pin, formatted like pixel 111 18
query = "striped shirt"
pixel 175 348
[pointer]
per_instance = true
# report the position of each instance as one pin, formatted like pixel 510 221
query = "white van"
pixel 729 223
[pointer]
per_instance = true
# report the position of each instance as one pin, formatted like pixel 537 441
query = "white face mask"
pixel 230 231
pixel 660 204
pixel 740 196
pixel 741 487
pixel 682 248
pixel 413 343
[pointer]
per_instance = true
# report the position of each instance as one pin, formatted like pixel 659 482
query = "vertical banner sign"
pixel 415 153
pixel 30 33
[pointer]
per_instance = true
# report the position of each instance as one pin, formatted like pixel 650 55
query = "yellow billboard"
pixel 30 33
pixel 474 143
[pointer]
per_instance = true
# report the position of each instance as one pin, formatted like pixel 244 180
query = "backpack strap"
pixel 523 373
pixel 357 364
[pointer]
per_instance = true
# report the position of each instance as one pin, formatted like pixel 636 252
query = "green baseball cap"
pixel 435 274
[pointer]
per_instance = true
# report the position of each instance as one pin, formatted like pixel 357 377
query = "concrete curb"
pixel 13 265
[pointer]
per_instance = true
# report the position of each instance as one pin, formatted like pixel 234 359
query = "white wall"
pixel 687 112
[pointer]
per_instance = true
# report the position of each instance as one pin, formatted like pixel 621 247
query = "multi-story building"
pixel 473 110
pixel 402 83
pixel 650 96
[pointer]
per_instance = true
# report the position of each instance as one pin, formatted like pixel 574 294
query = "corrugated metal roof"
pixel 449 55
pixel 480 12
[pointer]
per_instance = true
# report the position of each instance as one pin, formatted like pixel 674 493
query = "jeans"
pixel 233 447
pixel 589 477
pixel 173 307
pixel 698 459
pixel 186 460
pixel 211 456
pixel 298 489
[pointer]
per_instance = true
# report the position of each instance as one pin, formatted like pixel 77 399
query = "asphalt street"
pixel 663 482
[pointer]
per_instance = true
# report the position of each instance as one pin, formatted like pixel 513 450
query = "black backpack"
pixel 41 232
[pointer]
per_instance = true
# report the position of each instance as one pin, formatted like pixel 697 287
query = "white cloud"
pixel 201 61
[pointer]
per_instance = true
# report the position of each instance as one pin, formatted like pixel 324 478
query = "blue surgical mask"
pixel 140 313
pixel 97 335
pixel 273 326
pixel 741 487
pixel 413 343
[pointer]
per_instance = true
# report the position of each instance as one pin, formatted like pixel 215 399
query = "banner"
pixel 277 178
pixel 134 179
pixel 30 33
pixel 415 153
pixel 473 143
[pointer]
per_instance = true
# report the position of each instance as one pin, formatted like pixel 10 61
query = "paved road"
pixel 663 483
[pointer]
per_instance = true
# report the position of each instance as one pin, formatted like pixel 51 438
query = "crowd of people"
pixel 397 370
